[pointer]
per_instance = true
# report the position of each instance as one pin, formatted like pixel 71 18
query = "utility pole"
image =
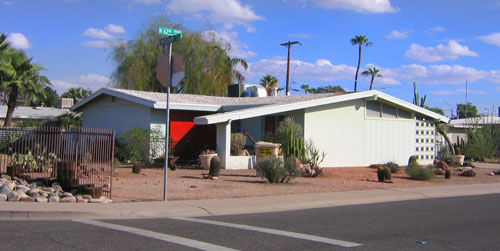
pixel 288 45
pixel 466 96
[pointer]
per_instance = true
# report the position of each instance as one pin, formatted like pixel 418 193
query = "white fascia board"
pixel 413 107
pixel 187 107
pixel 273 109
pixel 110 92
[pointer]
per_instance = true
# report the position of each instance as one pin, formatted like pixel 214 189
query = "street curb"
pixel 41 215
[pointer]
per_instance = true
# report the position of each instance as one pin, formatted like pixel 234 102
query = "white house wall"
pixel 118 114
pixel 351 139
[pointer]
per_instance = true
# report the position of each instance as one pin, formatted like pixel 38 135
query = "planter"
pixel 136 169
pixel 458 159
pixel 205 160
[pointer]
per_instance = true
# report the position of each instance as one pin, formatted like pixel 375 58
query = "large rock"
pixel 95 201
pixel 13 196
pixel 66 194
pixel 68 199
pixel 34 192
pixel 3 197
pixel 86 197
pixel 53 199
pixel 27 199
pixel 41 199
pixel 5 189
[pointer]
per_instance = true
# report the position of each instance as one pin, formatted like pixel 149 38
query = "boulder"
pixel 13 196
pixel 41 199
pixel 66 194
pixel 5 189
pixel 27 199
pixel 95 201
pixel 54 199
pixel 68 199
pixel 86 197
pixel 3 197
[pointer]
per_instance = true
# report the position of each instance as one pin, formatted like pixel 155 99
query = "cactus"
pixel 293 146
pixel 417 100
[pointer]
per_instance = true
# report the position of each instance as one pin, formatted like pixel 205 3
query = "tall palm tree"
pixel 270 83
pixel 237 74
pixel 359 40
pixel 3 60
pixel 305 87
pixel 374 73
pixel 19 75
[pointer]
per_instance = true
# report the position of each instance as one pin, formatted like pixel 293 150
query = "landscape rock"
pixel 41 199
pixel 68 199
pixel 27 199
pixel 34 192
pixel 86 197
pixel 95 201
pixel 13 196
pixel 54 199
pixel 3 197
pixel 66 194
pixel 5 189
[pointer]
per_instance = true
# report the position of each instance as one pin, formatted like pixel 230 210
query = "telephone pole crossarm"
pixel 288 45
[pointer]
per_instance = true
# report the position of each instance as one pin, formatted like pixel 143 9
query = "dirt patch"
pixel 186 184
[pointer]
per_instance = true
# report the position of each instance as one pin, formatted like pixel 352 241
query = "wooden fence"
pixel 37 153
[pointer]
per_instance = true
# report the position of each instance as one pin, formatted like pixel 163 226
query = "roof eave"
pixel 114 93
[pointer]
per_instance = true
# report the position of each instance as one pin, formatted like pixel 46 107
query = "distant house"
pixel 457 128
pixel 33 113
pixel 354 129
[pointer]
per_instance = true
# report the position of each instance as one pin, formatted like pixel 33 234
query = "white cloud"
pixel 444 93
pixel 226 12
pixel 493 38
pixel 91 81
pixel 18 41
pixel 237 48
pixel 147 1
pixel 395 34
pixel 115 29
pixel 370 6
pixel 439 53
pixel 97 33
pixel 9 3
pixel 300 35
pixel 101 44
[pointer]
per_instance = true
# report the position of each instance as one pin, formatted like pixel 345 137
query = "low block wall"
pixel 241 162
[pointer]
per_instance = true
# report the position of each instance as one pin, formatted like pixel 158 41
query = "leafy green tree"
pixel 3 61
pixel 208 69
pixel 305 87
pixel 237 75
pixel 437 110
pixel 327 89
pixel 360 41
pixel 374 73
pixel 20 76
pixel 51 99
pixel 467 111
pixel 269 82
pixel 76 94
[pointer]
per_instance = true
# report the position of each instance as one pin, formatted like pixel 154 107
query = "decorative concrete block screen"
pixel 425 141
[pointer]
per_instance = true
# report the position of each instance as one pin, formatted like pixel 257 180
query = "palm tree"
pixel 19 75
pixel 3 60
pixel 270 83
pixel 359 40
pixel 305 87
pixel 237 74
pixel 374 73
pixel 76 94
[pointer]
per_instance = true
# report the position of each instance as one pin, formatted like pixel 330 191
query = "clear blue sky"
pixel 437 43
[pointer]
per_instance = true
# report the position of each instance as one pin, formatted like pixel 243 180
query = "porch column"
pixel 224 142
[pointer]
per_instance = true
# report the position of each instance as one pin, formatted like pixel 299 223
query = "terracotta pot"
pixel 458 159
pixel 205 160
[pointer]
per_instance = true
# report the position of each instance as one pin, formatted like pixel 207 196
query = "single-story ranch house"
pixel 354 129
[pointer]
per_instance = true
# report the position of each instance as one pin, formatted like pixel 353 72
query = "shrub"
pixel 288 124
pixel 313 156
pixel 483 141
pixel 417 172
pixel 238 141
pixel 393 166
pixel 275 170
pixel 135 145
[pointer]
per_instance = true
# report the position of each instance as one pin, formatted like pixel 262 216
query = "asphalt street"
pixel 459 223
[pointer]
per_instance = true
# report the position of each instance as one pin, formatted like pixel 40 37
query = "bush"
pixel 238 141
pixel 393 166
pixel 483 141
pixel 417 172
pixel 288 124
pixel 276 170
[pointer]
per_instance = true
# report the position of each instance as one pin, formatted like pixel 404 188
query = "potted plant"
pixel 238 141
pixel 458 158
pixel 205 158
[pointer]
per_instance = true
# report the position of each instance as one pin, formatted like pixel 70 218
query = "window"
pixel 373 109
pixel 271 123
pixel 389 111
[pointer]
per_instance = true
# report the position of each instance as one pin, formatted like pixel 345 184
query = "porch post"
pixel 224 142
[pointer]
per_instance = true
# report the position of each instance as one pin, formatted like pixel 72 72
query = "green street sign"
pixel 168 32
pixel 170 39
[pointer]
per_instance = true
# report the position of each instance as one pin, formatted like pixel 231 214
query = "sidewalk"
pixel 196 208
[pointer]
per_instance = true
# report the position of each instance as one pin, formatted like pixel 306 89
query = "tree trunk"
pixel 357 70
pixel 11 106
pixel 371 83
pixel 441 131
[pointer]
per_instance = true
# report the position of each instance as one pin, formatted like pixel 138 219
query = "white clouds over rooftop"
pixel 370 6
pixel 117 29
pixel 18 41
pixel 226 12
pixel 238 49
pixel 108 37
pixel 452 50
pixel 97 33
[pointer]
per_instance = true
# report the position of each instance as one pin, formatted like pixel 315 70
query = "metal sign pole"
pixel 167 123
